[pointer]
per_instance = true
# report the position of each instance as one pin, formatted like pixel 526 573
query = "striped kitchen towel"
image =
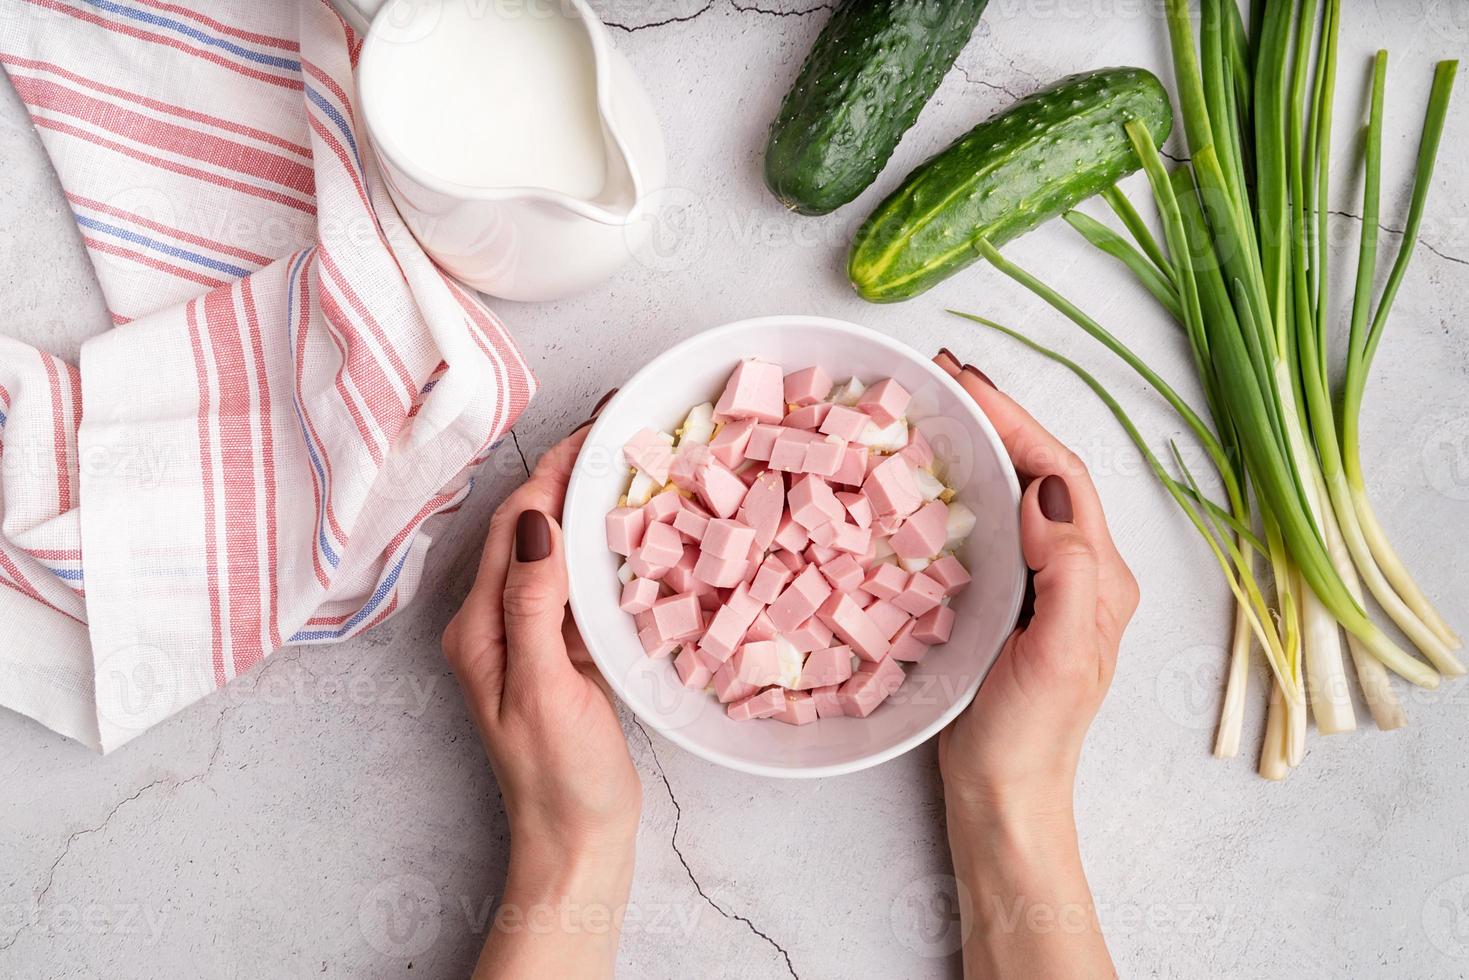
pixel 293 397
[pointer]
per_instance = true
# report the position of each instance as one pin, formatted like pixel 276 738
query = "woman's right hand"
pixel 1017 745
pixel 1009 761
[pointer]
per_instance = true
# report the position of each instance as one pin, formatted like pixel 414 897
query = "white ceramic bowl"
pixel 937 688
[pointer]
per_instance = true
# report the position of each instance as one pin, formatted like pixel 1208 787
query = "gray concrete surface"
pixel 331 814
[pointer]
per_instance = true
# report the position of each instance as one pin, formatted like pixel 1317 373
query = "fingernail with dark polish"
pixel 532 536
pixel 596 410
pixel 1055 499
pixel 948 355
pixel 601 404
pixel 976 372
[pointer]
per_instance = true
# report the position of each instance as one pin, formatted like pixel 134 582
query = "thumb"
pixel 1066 570
pixel 534 598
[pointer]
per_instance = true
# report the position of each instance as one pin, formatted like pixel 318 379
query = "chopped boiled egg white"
pixel 791 662
pixel 914 565
pixel 625 573
pixel 929 485
pixel 960 524
pixel 848 394
pixel 698 427
pixel 642 489
pixel 887 438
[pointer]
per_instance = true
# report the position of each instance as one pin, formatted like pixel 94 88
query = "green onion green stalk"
pixel 1243 268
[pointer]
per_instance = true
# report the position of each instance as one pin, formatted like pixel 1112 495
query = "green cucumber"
pixel 875 65
pixel 1040 157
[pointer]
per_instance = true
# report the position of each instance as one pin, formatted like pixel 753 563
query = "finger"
pixel 1035 452
pixel 533 602
pixel 1024 437
pixel 544 491
pixel 1067 571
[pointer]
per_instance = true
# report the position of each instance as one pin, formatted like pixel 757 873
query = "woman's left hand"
pixel 546 718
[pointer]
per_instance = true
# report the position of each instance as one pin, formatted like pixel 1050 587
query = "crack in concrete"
pixel 673 842
pixel 1401 231
pixel 989 85
pixel 170 782
pixel 754 9
pixel 519 452
pixel 744 9
pixel 634 28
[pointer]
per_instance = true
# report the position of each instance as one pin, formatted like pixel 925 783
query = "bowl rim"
pixel 577 485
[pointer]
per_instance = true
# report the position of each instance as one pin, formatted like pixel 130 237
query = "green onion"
pixel 1243 267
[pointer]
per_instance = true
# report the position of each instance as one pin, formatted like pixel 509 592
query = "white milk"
pixel 493 93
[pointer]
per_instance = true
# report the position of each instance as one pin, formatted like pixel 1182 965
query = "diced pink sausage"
pixel 680 577
pixel 885 401
pixel 807 386
pixel 847 424
pixel 662 547
pixel 907 647
pixel 686 463
pixel 763 506
pixel 824 668
pixel 639 595
pixel 797 709
pixel 813 634
pixel 813 504
pixel 807 417
pixel 841 536
pixel 789 451
pixel 755 390
pixel 935 626
pixel 771 580
pixel 643 569
pixel 647 452
pixel 920 595
pixel 923 534
pixel 790 535
pixel 732 619
pixel 728 686
pixel 791 560
pixel 859 509
pixel 949 573
pixel 885 581
pixel 823 457
pixel 888 618
pixel 691 671
pixel 853 470
pixel 843 572
pixel 757 663
pixel 663 507
pixel 828 703
pixel 918 451
pixel 766 704
pixel 727 539
pixel 722 573
pixel 653 644
pixel 801 598
pixel 856 629
pixel 762 441
pixel 689 522
pixel 720 489
pixel 625 526
pixel 761 629
pixel 728 444
pixel 678 617
pixel 891 488
pixel 867 689
pixel 819 554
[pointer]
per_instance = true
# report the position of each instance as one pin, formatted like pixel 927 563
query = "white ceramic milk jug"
pixel 516 142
